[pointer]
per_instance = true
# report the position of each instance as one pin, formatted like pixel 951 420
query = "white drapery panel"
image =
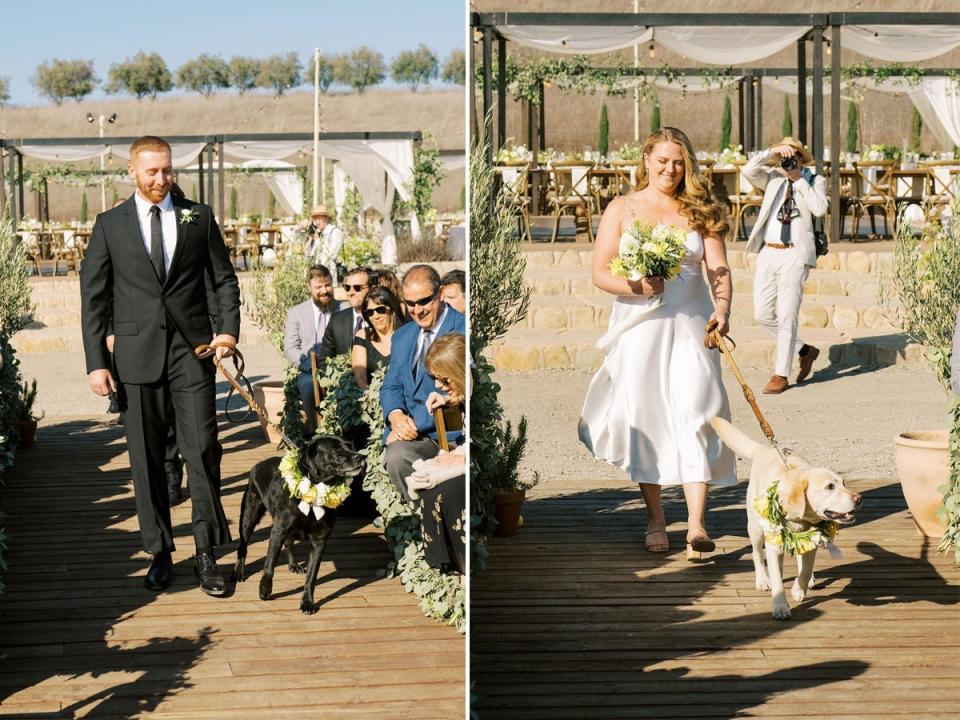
pixel 943 103
pixel 64 153
pixel 576 39
pixel 183 154
pixel 264 150
pixel 397 159
pixel 727 45
pixel 903 43
pixel 341 184
pixel 285 184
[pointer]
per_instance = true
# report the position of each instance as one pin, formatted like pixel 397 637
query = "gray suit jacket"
pixel 811 201
pixel 300 335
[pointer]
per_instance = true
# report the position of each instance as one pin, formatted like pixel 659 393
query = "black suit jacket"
pixel 118 279
pixel 338 337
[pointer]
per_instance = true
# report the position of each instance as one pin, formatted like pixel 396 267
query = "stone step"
pixel 527 350
pixel 567 312
pixel 56 316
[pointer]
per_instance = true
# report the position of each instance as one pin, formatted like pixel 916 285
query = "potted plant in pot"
pixel 509 491
pixel 28 421
pixel 923 295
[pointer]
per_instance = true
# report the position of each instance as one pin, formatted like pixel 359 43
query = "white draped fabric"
pixel 340 186
pixel 286 186
pixel 183 154
pixel 727 45
pixel 64 153
pixel 943 102
pixel 264 150
pixel 576 39
pixel 903 43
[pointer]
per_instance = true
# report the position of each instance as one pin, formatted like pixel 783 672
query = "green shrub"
pixel 726 123
pixel 603 142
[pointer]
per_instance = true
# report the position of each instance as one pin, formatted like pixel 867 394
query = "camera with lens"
pixel 311 230
pixel 789 163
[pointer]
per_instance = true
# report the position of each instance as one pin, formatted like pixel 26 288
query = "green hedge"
pixel 346 407
pixel 11 408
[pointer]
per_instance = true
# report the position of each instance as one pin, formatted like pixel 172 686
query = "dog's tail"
pixel 735 439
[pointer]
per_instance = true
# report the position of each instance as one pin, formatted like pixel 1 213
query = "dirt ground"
pixel 847 422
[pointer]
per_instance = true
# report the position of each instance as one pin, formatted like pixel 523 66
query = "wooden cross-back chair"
pixel 571 191
pixel 515 181
pixel 876 192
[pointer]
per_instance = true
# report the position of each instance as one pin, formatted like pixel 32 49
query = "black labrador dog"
pixel 324 458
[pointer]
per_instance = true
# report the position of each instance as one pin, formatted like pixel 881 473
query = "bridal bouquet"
pixel 650 251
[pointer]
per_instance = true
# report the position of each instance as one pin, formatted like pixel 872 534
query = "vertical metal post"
pixel 3 182
pixel 542 125
pixel 749 122
pixel 835 208
pixel 741 111
pixel 20 205
pixel 11 164
pixel 221 185
pixel 802 90
pixel 758 133
pixel 533 115
pixel 488 91
pixel 817 129
pixel 472 86
pixel 200 187
pixel 501 91
pixel 210 193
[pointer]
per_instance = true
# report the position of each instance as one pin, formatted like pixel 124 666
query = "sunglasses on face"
pixel 422 302
pixel 378 310
pixel 354 288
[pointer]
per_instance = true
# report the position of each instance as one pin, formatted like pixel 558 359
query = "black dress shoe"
pixel 161 568
pixel 211 581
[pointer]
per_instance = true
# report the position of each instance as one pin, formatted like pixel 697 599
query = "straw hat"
pixel 806 157
pixel 319 210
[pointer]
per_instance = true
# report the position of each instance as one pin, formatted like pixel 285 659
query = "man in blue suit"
pixel 411 432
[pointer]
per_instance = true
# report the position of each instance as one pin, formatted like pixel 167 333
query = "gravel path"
pixel 847 422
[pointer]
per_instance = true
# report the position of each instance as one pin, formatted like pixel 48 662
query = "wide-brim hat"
pixel 319 210
pixel 805 154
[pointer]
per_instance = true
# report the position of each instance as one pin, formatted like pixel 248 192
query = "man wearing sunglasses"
pixel 411 432
pixel 344 324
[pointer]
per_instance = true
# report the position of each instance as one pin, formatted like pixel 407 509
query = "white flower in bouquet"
pixel 650 251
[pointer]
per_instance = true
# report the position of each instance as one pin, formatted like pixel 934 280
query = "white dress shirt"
pixel 432 330
pixel 168 225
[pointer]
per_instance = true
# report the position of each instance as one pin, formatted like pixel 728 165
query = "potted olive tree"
pixel 509 491
pixel 922 297
pixel 28 420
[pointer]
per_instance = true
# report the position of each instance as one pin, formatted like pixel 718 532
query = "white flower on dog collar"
pixel 794 542
pixel 187 215
pixel 313 496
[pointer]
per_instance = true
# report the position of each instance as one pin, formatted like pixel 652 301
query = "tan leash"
pixel 714 340
pixel 210 351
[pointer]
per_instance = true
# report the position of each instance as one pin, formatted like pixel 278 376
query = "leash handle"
pixel 205 351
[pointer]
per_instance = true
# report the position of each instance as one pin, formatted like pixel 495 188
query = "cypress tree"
pixel 234 202
pixel 603 144
pixel 84 210
pixel 726 123
pixel 272 205
pixel 655 117
pixel 114 198
pixel 916 126
pixel 787 127
pixel 852 140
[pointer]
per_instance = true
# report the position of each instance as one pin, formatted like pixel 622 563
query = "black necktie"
pixel 786 215
pixel 156 244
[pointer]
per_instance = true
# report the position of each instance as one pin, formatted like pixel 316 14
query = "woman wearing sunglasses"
pixel 371 346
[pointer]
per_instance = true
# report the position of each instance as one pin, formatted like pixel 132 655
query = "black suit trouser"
pixel 188 385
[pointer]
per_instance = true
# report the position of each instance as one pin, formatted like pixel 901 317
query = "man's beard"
pixel 146 192
pixel 324 305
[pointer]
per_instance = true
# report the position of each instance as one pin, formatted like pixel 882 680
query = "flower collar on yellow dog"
pixel 796 542
pixel 313 497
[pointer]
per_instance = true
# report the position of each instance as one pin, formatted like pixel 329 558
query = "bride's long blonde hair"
pixel 697 204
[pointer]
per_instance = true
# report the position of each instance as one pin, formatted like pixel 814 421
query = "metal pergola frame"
pixel 213 145
pixel 750 105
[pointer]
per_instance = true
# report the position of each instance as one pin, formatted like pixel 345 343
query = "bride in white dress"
pixel 648 407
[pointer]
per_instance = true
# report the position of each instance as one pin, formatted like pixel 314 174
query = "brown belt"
pixel 778 246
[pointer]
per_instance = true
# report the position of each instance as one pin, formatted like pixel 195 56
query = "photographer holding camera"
pixel 784 237
pixel 324 241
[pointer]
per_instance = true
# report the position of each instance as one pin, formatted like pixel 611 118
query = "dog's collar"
pixel 313 497
pixel 796 542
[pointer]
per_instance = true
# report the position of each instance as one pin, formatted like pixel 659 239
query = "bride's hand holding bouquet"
pixel 649 255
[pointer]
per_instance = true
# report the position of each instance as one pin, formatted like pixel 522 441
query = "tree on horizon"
pixel 58 80
pixel 204 74
pixel 143 74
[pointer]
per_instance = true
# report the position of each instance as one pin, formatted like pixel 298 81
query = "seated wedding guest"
pixel 388 279
pixel 439 484
pixel 371 345
pixel 345 323
pixel 453 288
pixel 411 430
pixel 306 324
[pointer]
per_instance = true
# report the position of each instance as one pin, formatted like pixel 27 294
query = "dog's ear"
pixel 793 493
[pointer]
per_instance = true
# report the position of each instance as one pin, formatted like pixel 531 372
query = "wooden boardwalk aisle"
pixel 82 637
pixel 573 619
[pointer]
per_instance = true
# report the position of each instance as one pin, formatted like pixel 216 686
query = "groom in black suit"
pixel 144 275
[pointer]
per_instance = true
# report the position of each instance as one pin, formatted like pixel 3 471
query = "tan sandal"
pixel 655 547
pixel 699 548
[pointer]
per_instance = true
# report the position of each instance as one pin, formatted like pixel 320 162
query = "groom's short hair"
pixel 149 142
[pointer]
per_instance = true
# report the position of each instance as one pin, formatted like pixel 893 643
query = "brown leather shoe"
pixel 777 384
pixel 806 362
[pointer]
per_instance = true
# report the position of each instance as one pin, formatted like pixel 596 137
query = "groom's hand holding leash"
pixel 224 345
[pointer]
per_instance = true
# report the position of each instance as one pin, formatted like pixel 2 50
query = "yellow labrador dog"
pixel 807 495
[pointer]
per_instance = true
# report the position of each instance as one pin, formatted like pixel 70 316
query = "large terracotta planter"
pixel 507 505
pixel 269 394
pixel 923 465
pixel 28 433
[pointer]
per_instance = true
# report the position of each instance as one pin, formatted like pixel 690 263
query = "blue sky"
pixel 107 31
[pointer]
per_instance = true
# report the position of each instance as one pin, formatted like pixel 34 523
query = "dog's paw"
pixel 308 607
pixel 813 581
pixel 762 583
pixel 798 592
pixel 781 611
pixel 266 588
pixel 297 568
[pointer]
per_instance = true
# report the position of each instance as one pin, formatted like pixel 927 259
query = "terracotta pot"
pixel 923 465
pixel 507 505
pixel 269 394
pixel 28 433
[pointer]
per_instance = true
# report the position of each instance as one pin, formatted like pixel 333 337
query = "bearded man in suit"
pixel 144 275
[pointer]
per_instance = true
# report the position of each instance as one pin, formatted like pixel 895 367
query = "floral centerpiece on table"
pixel 628 153
pixel 549 155
pixel 511 153
pixel 731 155
pixel 882 152
pixel 650 251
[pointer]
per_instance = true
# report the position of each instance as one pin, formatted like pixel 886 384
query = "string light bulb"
pixel 653 53
pixel 829 51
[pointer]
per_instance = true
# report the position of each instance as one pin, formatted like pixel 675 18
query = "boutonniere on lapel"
pixel 188 215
